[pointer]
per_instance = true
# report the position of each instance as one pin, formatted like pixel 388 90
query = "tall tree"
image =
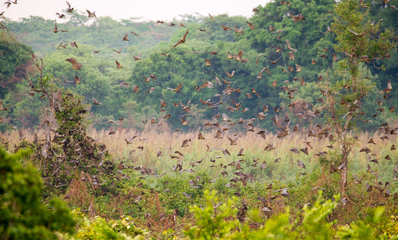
pixel 360 40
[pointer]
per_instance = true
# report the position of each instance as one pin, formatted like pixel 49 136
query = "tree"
pixel 70 148
pixel 379 10
pixel 360 40
pixel 188 67
pixel 309 37
pixel 15 62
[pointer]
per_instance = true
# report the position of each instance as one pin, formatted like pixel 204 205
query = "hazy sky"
pixel 124 9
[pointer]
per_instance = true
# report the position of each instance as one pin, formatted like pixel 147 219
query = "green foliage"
pixel 100 78
pixel 210 223
pixel 216 223
pixel 378 11
pixel 310 94
pixel 14 62
pixel 309 37
pixel 99 229
pixel 364 229
pixel 390 228
pixel 351 18
pixel 312 224
pixel 23 215
pixel 104 33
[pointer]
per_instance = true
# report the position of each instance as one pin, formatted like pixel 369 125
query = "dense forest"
pixel 186 63
pixel 278 126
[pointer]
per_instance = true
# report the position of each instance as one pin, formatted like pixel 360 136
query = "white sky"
pixel 125 9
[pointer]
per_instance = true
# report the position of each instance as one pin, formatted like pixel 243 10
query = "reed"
pixel 168 142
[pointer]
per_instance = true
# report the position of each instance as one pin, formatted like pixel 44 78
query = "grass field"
pixel 253 144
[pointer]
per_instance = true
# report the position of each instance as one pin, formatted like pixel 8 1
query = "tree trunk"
pixel 343 174
pixel 345 150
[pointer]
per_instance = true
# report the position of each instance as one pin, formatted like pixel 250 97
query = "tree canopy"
pixel 274 30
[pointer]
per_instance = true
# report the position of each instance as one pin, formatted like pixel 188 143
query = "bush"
pixel 23 215
pixel 311 224
pixel 99 229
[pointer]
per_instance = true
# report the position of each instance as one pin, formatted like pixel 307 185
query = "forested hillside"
pixel 272 31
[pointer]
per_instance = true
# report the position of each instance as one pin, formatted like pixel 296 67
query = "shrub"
pixel 99 229
pixel 23 215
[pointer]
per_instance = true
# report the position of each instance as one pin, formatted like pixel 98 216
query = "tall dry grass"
pixel 168 142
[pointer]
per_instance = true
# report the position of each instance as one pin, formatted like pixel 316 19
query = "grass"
pixel 168 142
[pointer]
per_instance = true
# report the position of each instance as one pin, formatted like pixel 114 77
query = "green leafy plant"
pixel 99 229
pixel 211 223
pixel 23 215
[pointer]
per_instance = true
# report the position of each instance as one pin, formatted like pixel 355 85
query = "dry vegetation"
pixel 168 142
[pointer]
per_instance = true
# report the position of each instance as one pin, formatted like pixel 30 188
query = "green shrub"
pixel 209 224
pixel 99 229
pixel 390 229
pixel 311 225
pixel 23 215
